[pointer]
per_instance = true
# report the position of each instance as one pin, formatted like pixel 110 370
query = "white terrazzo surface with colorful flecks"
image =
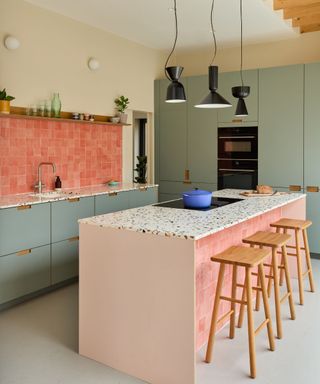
pixel 192 224
pixel 10 201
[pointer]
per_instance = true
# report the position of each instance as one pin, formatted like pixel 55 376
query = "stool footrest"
pixel 227 314
pixel 233 300
pixel 254 288
pixel 294 247
pixel 285 297
pixel 306 273
pixel 288 254
pixel 261 326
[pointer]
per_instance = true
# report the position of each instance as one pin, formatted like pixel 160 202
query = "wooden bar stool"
pixel 298 226
pixel 274 241
pixel 248 258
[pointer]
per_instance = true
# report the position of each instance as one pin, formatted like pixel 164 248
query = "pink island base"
pixel 145 301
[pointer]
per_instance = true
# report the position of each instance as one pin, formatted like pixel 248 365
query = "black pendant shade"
pixel 213 99
pixel 241 109
pixel 240 93
pixel 175 90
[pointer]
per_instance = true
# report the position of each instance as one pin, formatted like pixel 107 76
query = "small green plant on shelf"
pixel 141 169
pixel 122 103
pixel 5 101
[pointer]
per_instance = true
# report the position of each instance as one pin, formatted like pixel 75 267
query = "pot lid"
pixel 197 192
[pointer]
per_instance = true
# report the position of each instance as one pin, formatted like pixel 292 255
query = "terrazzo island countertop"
pixel 30 198
pixel 191 224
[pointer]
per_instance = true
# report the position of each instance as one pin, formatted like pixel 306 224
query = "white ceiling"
pixel 151 22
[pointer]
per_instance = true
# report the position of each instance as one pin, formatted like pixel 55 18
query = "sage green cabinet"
pixel 65 215
pixel 202 134
pixel 172 137
pixel 24 273
pixel 64 260
pixel 143 196
pixel 227 80
pixel 24 227
pixel 111 203
pixel 280 134
pixel 311 151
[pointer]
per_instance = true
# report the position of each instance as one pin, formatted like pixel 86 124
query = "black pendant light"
pixel 242 91
pixel 213 99
pixel 175 91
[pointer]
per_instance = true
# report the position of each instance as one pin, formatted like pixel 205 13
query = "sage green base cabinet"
pixel 143 196
pixel 64 260
pixel 313 214
pixel 65 215
pixel 21 274
pixel 24 227
pixel 111 203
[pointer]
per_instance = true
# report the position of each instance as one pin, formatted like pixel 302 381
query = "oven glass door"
pixel 237 147
pixel 238 174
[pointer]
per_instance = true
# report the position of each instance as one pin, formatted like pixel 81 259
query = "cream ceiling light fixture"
pixel 175 90
pixel 93 64
pixel 213 99
pixel 242 91
pixel 11 43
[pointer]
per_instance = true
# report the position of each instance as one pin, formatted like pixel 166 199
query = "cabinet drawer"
pixel 24 272
pixel 65 215
pixel 111 203
pixel 64 260
pixel 141 197
pixel 24 227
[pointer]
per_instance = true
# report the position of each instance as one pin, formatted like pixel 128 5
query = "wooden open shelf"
pixel 20 113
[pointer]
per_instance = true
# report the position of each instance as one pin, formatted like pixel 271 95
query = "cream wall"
pixel 303 49
pixel 53 57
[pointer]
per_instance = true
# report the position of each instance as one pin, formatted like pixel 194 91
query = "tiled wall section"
pixel 207 272
pixel 84 154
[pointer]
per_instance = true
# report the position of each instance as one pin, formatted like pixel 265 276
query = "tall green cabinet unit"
pixel 281 126
pixel 312 153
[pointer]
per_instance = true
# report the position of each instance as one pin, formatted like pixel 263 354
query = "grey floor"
pixel 38 345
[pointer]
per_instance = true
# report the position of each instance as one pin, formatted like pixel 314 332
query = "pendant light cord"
pixel 213 34
pixel 241 39
pixel 175 39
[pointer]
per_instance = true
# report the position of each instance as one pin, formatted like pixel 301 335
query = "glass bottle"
pixel 56 105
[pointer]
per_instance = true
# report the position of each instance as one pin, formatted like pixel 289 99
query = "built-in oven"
pixel 238 157
pixel 238 143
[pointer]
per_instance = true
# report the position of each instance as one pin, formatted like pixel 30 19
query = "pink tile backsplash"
pixel 84 154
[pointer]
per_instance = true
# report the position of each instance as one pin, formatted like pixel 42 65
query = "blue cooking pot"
pixel 197 198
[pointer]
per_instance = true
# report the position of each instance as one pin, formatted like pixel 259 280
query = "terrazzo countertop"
pixel 191 224
pixel 30 198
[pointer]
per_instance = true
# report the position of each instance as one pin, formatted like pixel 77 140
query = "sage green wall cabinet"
pixel 111 203
pixel 156 129
pixel 65 215
pixel 312 152
pixel 143 196
pixel 24 227
pixel 280 132
pixel 227 80
pixel 202 134
pixel 172 137
pixel 24 272
pixel 64 260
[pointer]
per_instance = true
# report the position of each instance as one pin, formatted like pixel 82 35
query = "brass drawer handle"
pixel 23 207
pixel 187 182
pixel 295 188
pixel 237 120
pixel 75 238
pixel 23 252
pixel 312 188
pixel 143 189
pixel 73 199
pixel 112 194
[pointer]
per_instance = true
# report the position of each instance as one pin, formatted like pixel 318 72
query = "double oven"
pixel 238 157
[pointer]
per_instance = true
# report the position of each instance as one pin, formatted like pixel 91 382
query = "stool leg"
pixel 266 307
pixel 241 312
pixel 233 304
pixel 288 282
pixel 276 292
pixel 308 260
pixel 258 292
pixel 215 313
pixel 282 261
pixel 251 335
pixel 270 279
pixel 299 267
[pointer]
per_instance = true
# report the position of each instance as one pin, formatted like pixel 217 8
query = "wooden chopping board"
pixel 256 194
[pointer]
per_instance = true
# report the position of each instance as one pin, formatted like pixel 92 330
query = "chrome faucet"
pixel 40 184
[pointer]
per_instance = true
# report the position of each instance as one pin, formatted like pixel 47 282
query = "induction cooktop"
pixel 216 202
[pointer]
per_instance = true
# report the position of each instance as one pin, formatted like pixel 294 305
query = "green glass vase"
pixel 56 105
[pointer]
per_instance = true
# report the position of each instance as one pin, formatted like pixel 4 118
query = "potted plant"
pixel 5 101
pixel 141 169
pixel 122 104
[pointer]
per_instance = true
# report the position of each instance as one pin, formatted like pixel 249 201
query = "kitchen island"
pixel 147 283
